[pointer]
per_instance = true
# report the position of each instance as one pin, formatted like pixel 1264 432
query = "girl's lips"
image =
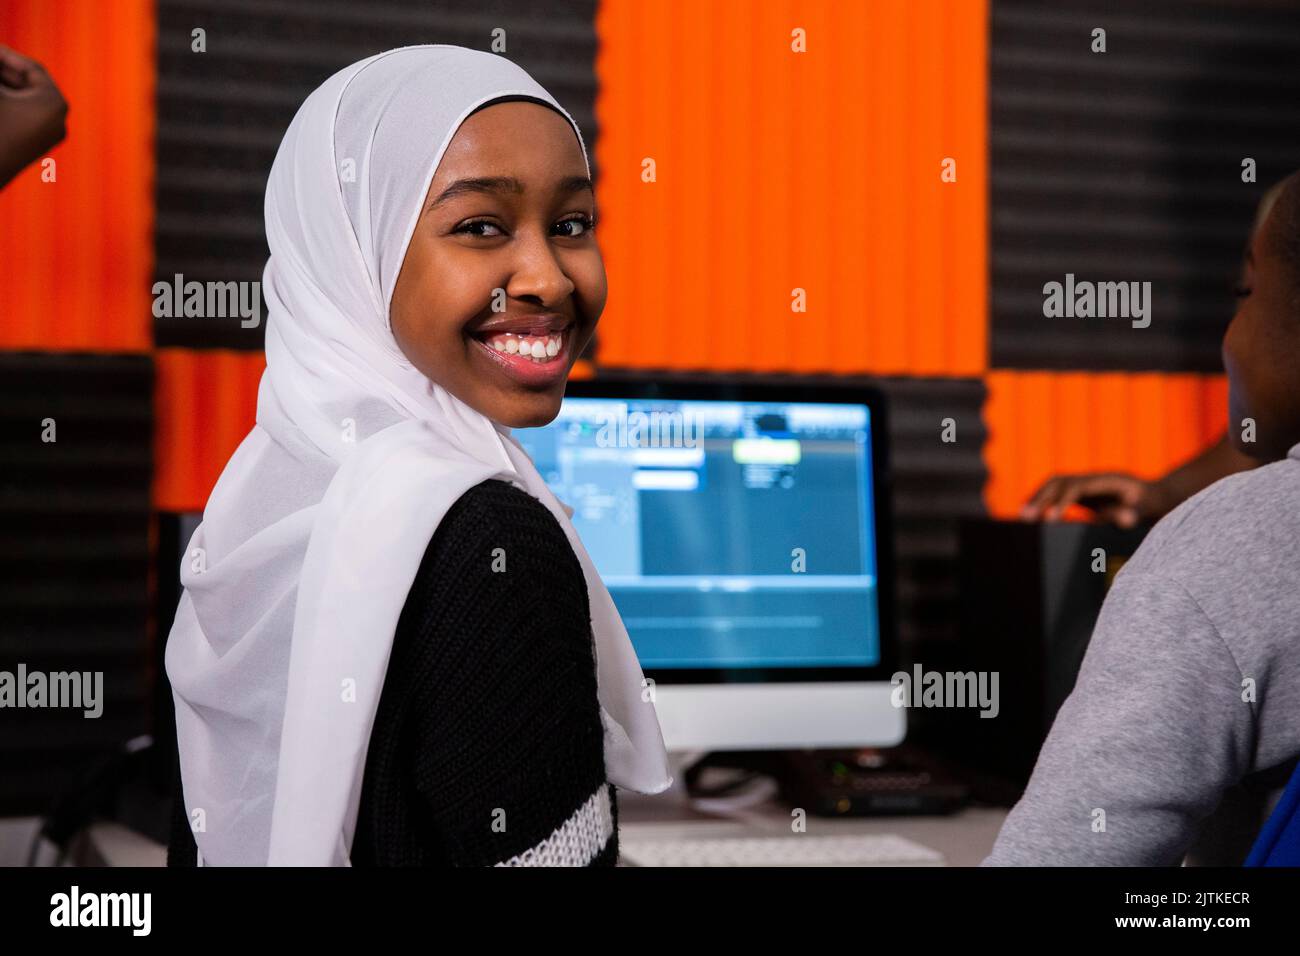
pixel 527 371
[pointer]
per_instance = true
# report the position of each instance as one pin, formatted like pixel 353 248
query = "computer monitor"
pixel 743 532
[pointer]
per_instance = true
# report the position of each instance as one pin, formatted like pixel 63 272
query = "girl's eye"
pixel 475 226
pixel 579 225
pixel 568 228
pixel 1240 291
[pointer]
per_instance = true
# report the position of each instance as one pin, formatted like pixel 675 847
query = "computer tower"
pixel 1029 597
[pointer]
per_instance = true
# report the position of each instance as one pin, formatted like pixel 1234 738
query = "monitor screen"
pixel 731 534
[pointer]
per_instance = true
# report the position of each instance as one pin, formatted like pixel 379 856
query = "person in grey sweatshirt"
pixel 1190 687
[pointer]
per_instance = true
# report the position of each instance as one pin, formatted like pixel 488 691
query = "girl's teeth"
pixel 537 348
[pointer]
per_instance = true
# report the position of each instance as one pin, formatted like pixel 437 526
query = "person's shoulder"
pixel 499 535
pixel 499 510
pixel 496 557
pixel 496 492
pixel 1234 527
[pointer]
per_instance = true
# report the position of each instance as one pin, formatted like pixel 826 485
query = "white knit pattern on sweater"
pixel 576 841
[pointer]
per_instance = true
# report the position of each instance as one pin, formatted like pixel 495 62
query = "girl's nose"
pixel 538 272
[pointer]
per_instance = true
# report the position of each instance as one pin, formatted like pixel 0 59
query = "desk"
pixel 964 837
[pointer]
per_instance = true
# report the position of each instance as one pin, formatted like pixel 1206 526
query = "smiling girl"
pixel 393 648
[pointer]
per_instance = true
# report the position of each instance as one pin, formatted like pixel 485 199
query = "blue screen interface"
pixel 730 534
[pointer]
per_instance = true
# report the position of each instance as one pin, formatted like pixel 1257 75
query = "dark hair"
pixel 515 98
pixel 1282 236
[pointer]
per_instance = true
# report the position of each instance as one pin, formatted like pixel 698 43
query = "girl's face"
pixel 503 283
pixel 1259 355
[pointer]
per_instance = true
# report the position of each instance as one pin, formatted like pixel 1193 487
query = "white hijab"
pixel 312 536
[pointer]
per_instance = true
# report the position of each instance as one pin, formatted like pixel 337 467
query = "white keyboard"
pixel 798 849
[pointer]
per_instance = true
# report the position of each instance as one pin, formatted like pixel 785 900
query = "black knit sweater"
pixel 487 747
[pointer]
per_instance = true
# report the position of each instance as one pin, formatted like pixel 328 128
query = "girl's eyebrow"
pixel 503 184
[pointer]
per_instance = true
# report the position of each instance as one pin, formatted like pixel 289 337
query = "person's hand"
pixel 1114 496
pixel 33 113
